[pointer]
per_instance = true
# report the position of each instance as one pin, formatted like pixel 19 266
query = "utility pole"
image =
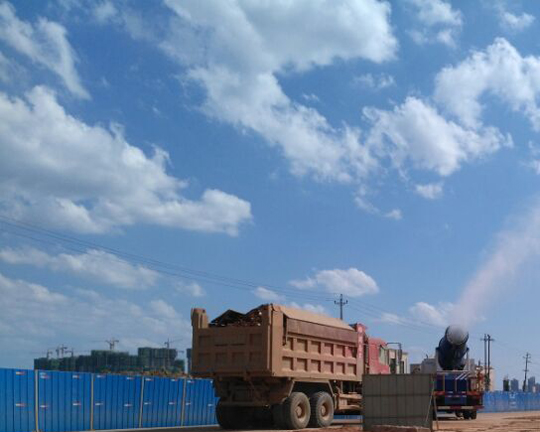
pixel 526 370
pixel 341 303
pixel 487 339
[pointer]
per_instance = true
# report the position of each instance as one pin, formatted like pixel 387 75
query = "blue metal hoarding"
pixel 162 402
pixel 200 403
pixel 72 401
pixel 117 400
pixel 64 401
pixel 17 400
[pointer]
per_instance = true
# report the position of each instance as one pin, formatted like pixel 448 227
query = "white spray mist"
pixel 513 248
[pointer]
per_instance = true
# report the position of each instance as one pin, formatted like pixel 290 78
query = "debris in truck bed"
pixel 237 319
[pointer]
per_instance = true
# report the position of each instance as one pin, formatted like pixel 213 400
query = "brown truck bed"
pixel 282 342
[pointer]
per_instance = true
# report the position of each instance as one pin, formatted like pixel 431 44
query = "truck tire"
pixel 473 415
pixel 296 411
pixel 322 410
pixel 226 416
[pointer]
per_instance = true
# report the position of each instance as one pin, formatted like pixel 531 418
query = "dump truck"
pixel 282 365
pixel 458 384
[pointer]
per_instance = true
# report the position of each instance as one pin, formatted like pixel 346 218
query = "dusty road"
pixel 501 422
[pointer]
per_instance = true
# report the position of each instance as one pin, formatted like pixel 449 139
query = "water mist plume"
pixel 514 248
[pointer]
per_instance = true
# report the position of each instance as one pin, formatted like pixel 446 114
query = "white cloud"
pixel 235 51
pixel 268 295
pixel 44 43
pixel 9 69
pixel 68 174
pixel 374 82
pixel 430 191
pixel 500 71
pixel 104 11
pixel 351 282
pixel 414 132
pixel 440 315
pixel 35 316
pixel 394 214
pixel 441 22
pixel 311 97
pixel 433 12
pixel 510 21
pixel 191 288
pixel 309 307
pixel 93 264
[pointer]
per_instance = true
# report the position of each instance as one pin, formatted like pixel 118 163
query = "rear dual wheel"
pixel 297 411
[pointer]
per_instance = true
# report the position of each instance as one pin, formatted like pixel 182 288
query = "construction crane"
pixel 112 343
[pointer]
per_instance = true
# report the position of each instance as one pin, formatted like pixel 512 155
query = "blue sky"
pixel 160 156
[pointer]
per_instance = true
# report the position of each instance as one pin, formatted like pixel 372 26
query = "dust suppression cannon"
pixel 452 349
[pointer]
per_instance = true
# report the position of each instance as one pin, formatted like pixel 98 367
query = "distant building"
pixel 514 385
pixel 537 388
pixel 398 361
pixel 531 384
pixel 146 360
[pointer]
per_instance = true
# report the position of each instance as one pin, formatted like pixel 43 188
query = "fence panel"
pixel 117 400
pixel 200 403
pixel 17 402
pixel 64 401
pixel 162 402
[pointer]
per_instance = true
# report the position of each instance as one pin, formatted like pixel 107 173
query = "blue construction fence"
pixel 50 401
pixel 499 401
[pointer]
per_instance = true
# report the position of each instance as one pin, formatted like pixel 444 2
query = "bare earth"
pixel 501 422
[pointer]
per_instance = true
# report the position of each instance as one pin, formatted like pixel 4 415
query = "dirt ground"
pixel 501 422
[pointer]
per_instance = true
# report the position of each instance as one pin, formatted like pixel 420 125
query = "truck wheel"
pixel 473 415
pixel 225 416
pixel 322 410
pixel 466 415
pixel 296 411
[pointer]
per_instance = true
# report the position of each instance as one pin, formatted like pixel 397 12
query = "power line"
pixel 174 270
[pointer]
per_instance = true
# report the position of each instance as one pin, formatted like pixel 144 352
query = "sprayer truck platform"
pixel 282 365
pixel 458 385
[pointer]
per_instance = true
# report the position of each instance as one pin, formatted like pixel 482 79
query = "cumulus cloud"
pixel 395 214
pixel 374 82
pixel 416 133
pixel 510 21
pixel 441 23
pixel 351 282
pixel 500 71
pixel 34 317
pixel 93 264
pixel 68 174
pixel 236 51
pixel 45 43
pixel 438 315
pixel 191 288
pixel 429 191
pixel 268 295
pixel 309 307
